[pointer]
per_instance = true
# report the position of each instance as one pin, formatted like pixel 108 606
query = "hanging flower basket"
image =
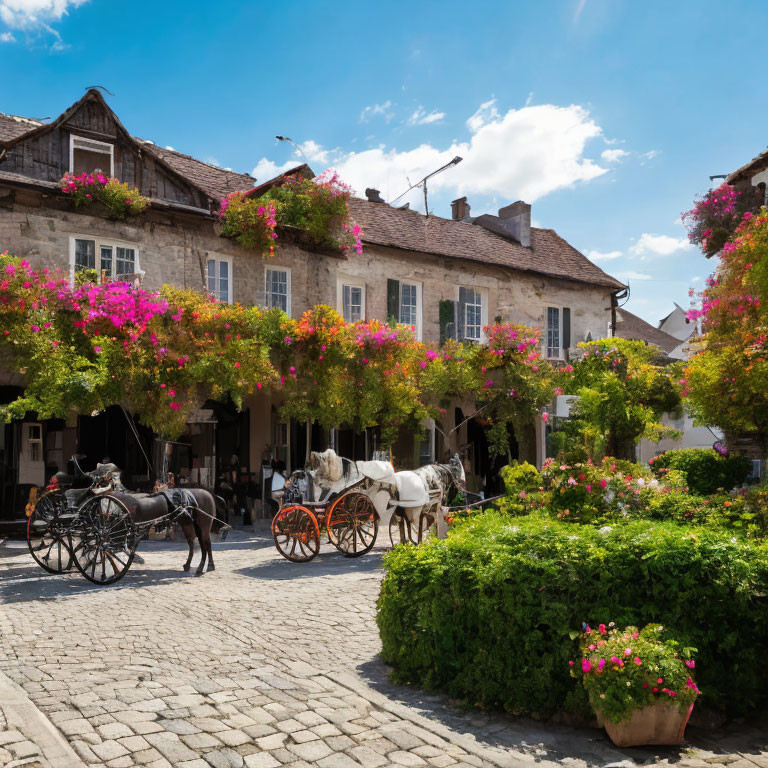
pixel 118 198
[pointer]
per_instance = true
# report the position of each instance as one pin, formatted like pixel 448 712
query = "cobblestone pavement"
pixel 261 663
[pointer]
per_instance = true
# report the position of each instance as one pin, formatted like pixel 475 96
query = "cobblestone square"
pixel 261 663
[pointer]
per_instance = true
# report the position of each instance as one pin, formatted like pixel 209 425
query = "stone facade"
pixel 173 248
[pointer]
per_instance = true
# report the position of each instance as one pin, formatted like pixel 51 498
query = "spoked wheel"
pixel 352 524
pixel 48 533
pixel 104 540
pixel 296 534
pixel 401 529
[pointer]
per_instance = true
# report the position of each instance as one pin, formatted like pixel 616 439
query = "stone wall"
pixel 173 248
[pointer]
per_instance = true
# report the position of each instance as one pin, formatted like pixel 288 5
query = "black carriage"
pixel 86 520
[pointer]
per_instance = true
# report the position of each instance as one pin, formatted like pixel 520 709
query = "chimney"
pixel 460 209
pixel 516 221
pixel 374 196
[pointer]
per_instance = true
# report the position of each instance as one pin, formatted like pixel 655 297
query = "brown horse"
pixel 195 524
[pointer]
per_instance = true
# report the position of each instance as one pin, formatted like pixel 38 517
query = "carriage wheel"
pixel 353 524
pixel 401 529
pixel 105 540
pixel 48 533
pixel 296 534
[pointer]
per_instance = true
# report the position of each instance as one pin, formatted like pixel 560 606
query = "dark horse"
pixel 144 509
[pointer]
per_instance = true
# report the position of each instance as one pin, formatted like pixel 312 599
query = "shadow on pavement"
pixel 562 743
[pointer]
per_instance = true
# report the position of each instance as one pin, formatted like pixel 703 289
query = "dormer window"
pixel 87 155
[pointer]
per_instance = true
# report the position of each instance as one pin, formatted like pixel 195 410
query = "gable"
pixel 45 154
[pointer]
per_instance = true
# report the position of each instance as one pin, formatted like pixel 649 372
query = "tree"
pixel 727 380
pixel 623 391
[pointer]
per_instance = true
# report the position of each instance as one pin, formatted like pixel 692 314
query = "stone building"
pixel 446 277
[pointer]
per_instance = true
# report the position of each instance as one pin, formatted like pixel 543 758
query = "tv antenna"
pixel 423 183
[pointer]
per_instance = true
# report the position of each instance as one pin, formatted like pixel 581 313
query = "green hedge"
pixel 489 613
pixel 705 470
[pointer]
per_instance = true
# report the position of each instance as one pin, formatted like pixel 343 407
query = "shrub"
pixel 249 222
pixel 705 470
pixel 488 612
pixel 628 670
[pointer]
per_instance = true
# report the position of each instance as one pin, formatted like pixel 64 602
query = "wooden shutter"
pixel 566 328
pixel 393 301
pixel 461 313
pixel 447 315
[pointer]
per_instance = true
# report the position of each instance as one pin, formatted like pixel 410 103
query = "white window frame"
pixel 218 258
pixel 545 339
pixel 277 268
pixel 483 293
pixel 80 142
pixel 419 303
pixel 107 243
pixel 352 282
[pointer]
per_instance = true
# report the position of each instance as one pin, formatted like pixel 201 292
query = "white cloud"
pixel 598 256
pixel 420 117
pixel 613 155
pixel 659 245
pixel 29 14
pixel 375 110
pixel 7 37
pixel 632 276
pixel 524 154
pixel 486 113
pixel 646 157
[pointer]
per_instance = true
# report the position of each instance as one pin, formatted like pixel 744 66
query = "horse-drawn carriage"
pixel 350 501
pixel 91 521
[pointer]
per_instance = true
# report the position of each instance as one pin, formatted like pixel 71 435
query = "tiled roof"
pixel 629 326
pixel 13 126
pixel 214 181
pixel 756 164
pixel 549 254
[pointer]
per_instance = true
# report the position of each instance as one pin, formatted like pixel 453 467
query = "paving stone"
pixel 261 760
pixel 114 731
pixel 338 761
pixel 200 741
pixel 406 758
pixel 109 750
pixel 311 750
pixel 368 757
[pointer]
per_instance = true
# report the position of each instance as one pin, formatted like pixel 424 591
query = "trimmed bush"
pixel 492 613
pixel 705 470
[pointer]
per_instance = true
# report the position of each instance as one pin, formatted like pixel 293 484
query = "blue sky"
pixel 609 116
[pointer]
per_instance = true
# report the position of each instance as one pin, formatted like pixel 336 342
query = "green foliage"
pixel 491 614
pixel 623 393
pixel 628 670
pixel 704 469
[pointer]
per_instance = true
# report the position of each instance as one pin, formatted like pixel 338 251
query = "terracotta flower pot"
pixel 661 723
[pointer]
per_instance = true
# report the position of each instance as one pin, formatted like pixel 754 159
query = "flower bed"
pixel 705 470
pixel 489 614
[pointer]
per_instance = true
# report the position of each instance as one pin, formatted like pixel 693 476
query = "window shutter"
pixel 447 315
pixel 566 328
pixel 393 300
pixel 461 313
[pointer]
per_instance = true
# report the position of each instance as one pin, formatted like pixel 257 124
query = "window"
pixel 89 155
pixel 553 332
pixel 471 307
pixel 409 304
pixel 219 278
pixel 115 260
pixel 277 289
pixel 351 300
pixel 34 442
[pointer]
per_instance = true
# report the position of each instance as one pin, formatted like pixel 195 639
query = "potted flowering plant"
pixel 639 683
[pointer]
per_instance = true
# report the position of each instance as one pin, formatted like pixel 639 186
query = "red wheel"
pixel 353 524
pixel 296 534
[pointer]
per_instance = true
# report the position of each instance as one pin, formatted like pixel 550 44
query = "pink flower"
pixel 570 663
pixel 603 483
pixel 601 665
pixel 545 417
pixel 237 365
pixel 638 661
pixel 175 406
pixel 627 651
pixel 691 664
pixel 602 629
pixel 586 666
